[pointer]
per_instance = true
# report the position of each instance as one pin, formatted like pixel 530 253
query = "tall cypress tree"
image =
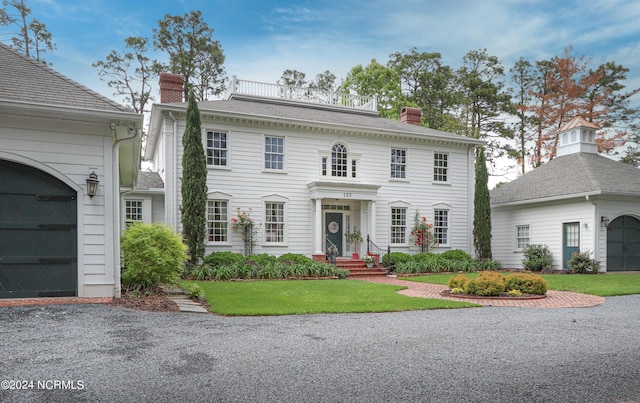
pixel 482 209
pixel 194 185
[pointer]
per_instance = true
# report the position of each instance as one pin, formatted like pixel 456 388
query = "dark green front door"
pixel 38 234
pixel 623 244
pixel 570 241
pixel 334 230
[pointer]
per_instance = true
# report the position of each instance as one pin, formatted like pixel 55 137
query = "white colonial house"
pixel 310 166
pixel 579 201
pixel 64 153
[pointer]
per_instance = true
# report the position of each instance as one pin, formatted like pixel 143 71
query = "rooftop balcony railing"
pixel 309 95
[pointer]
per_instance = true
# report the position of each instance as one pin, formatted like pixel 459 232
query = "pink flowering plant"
pixel 422 233
pixel 244 223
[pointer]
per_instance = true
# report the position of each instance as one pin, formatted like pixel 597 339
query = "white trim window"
pixel 440 167
pixel 398 225
pixel 441 226
pixel 133 212
pixel 217 148
pixel 274 226
pixel 398 163
pixel 217 221
pixel 339 158
pixel 274 153
pixel 523 236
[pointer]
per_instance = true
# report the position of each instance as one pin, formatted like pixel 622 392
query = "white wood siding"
pixel 545 222
pixel 249 184
pixel 73 149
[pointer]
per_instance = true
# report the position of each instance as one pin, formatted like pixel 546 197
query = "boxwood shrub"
pixel 487 283
pixel 526 283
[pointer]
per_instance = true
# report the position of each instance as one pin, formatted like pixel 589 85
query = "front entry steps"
pixel 357 267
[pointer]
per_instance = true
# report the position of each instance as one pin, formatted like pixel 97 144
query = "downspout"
pixel 117 201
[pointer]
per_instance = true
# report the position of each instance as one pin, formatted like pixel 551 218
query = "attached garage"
pixel 38 234
pixel 57 237
pixel 623 244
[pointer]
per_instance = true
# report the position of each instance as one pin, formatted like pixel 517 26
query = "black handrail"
pixel 373 249
pixel 331 258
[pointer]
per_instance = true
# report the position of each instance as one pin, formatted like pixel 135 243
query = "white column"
pixel 372 215
pixel 318 227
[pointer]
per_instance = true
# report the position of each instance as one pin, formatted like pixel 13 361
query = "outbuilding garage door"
pixel 623 244
pixel 38 234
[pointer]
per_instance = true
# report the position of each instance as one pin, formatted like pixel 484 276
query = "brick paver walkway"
pixel 554 299
pixel 53 301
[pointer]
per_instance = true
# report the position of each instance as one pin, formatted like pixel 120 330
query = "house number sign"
pixel 333 227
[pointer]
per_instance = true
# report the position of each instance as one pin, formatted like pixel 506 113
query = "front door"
pixel 334 231
pixel 570 241
pixel 623 244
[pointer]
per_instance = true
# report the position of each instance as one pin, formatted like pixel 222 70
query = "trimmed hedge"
pixel 230 266
pixel 526 283
pixel 494 284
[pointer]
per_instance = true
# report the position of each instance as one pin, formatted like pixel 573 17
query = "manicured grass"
pixel 290 297
pixel 603 285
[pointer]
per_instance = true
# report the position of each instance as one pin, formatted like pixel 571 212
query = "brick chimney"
pixel 170 88
pixel 413 116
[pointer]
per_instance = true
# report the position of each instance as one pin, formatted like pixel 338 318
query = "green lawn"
pixel 604 285
pixel 252 298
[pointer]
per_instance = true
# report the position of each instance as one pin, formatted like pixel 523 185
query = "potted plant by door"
pixel 355 238
pixel 369 260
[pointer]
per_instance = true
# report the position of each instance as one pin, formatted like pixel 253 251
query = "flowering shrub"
pixel 422 235
pixel 243 223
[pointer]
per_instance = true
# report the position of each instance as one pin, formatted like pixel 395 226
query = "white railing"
pixel 309 95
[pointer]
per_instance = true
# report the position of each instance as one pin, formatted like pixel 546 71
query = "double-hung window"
pixel 274 222
pixel 398 163
pixel 133 212
pixel 274 153
pixel 217 221
pixel 217 149
pixel 440 167
pixel 523 236
pixel 398 225
pixel 441 226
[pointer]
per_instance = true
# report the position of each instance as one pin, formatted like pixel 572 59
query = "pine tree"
pixel 482 209
pixel 194 185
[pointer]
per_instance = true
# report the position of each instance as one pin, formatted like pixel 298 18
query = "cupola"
pixel 577 136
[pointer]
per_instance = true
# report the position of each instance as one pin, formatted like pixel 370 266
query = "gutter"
pixel 117 200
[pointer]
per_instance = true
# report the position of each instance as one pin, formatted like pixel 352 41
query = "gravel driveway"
pixel 105 353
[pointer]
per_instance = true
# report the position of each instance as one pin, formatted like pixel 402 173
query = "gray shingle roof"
pixel 27 80
pixel 313 114
pixel 571 175
pixel 149 180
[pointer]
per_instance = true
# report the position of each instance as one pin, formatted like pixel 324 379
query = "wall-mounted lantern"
pixel 605 221
pixel 92 184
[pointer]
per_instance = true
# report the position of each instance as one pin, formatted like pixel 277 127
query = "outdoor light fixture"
pixel 604 220
pixel 92 184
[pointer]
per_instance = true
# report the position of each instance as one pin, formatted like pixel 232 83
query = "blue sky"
pixel 262 38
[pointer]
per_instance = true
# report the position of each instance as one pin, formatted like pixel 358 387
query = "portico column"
pixel 372 215
pixel 318 227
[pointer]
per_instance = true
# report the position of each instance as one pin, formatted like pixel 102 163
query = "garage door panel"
pixel 38 234
pixel 37 280
pixel 623 244
pixel 21 242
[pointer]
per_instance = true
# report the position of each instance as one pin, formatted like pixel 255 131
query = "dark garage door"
pixel 623 244
pixel 38 234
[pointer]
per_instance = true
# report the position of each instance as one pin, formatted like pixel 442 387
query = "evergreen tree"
pixel 482 209
pixel 194 185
